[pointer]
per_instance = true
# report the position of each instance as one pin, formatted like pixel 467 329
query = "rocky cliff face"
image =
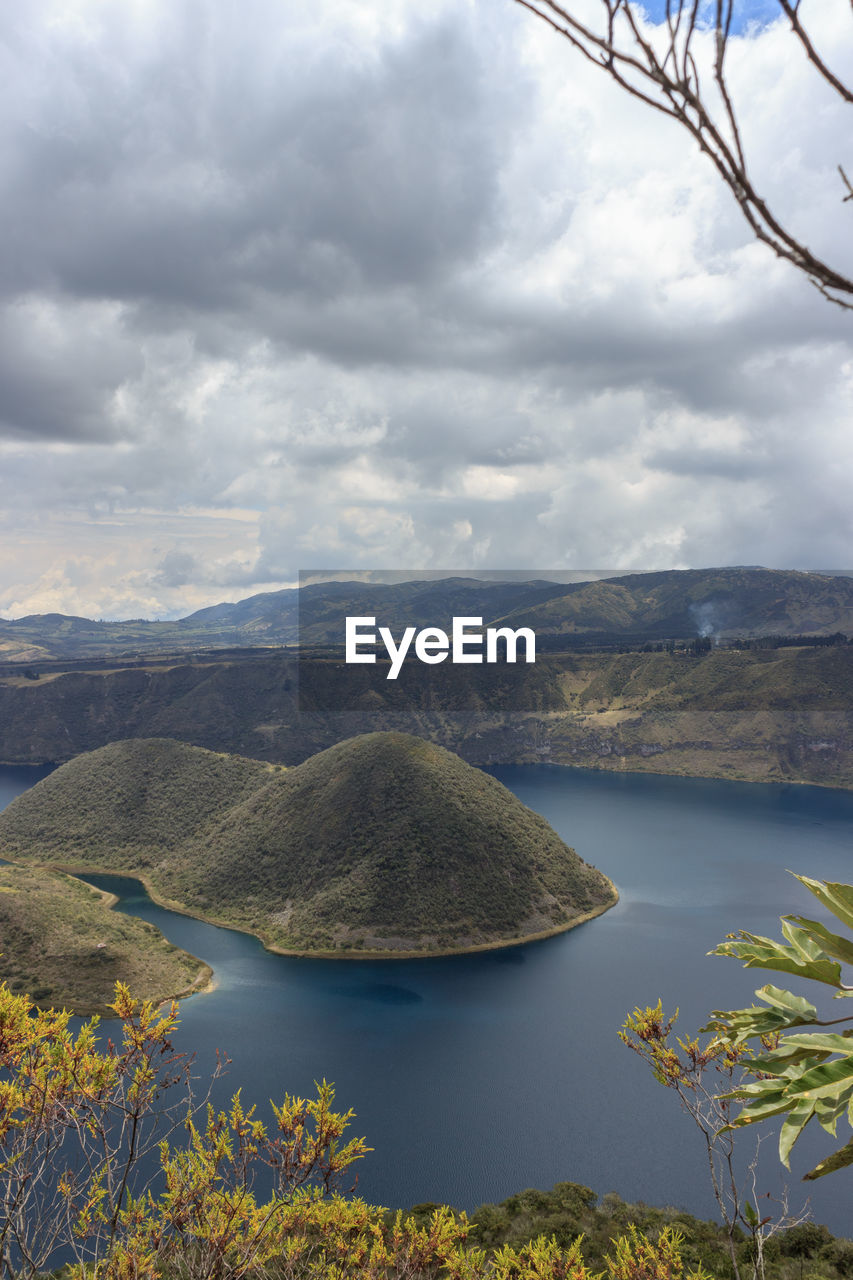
pixel 784 714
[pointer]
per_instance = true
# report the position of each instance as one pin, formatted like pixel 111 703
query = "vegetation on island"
pixel 384 843
pixel 60 943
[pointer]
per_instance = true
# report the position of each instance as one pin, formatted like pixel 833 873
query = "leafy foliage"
pixel 570 1209
pixel 77 1120
pixel 801 1075
pixel 683 1065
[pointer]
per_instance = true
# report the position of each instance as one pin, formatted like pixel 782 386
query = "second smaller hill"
pixel 63 947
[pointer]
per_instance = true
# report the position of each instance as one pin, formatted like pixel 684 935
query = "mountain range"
pixel 636 608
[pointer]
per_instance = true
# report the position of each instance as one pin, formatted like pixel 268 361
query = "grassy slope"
pixel 382 842
pixel 62 945
pixel 773 715
pixel 731 601
pixel 132 804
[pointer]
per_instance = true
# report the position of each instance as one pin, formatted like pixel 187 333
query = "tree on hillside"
pixel 679 67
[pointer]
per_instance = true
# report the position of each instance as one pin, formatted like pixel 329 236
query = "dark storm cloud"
pixel 59 372
pixel 731 464
pixel 215 180
pixel 236 177
pixel 222 163
pixel 176 569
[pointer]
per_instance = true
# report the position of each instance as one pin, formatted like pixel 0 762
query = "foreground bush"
pixel 107 1157
pixel 80 1122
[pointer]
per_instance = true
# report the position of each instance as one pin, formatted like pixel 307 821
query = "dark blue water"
pixel 476 1076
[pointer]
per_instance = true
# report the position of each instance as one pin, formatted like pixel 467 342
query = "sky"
pixel 400 283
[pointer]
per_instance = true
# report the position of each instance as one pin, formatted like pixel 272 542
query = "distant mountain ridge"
pixel 641 607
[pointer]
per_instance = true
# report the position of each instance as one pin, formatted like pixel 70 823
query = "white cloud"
pixel 361 283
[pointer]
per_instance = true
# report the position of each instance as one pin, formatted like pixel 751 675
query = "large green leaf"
pixel 838 1160
pixel 837 898
pixel 821 1041
pixel 758 1110
pixel 802 942
pixel 786 1010
pixel 757 952
pixel 799 1074
pixel 828 1079
pixel 759 1088
pixel 800 1010
pixel 828 1111
pixel 832 943
pixel 738 1025
pixel 792 1128
pixel 780 1063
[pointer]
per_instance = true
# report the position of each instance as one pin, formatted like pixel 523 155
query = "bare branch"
pixel 670 83
pixel 792 13
pixel 845 179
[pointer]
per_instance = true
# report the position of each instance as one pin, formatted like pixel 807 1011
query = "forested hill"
pixel 641 607
pixel 383 843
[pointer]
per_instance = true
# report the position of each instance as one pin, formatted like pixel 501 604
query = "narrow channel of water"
pixel 476 1076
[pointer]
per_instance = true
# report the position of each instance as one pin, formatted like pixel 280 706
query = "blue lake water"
pixel 476 1076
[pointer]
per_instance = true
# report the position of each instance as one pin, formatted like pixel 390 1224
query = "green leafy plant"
pixel 800 1074
pixel 703 1077
pixel 77 1117
pixel 781 1058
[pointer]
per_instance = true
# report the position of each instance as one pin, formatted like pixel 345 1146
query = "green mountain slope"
pixel 382 843
pixel 724 602
pixel 129 805
pixel 62 945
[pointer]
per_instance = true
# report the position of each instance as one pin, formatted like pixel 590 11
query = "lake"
pixel 476 1076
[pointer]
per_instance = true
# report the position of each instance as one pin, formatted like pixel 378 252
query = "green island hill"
pixel 384 844
pixel 64 947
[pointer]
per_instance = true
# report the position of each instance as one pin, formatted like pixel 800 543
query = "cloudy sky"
pixel 380 283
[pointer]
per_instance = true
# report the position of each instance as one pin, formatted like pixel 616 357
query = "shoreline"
pixel 360 954
pixel 203 982
pixel 596 766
